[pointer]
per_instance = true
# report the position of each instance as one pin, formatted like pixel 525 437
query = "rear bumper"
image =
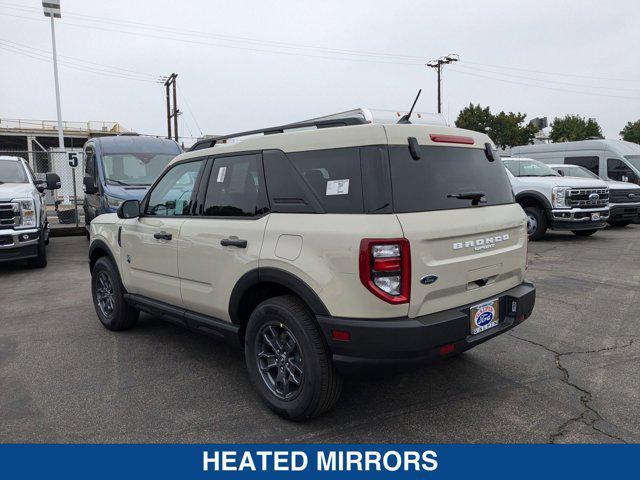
pixel 19 244
pixel 406 341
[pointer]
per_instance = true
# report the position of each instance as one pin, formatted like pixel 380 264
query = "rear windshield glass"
pixel 446 178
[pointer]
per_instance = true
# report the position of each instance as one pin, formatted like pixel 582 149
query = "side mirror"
pixel 52 181
pixel 129 209
pixel 41 185
pixel 89 185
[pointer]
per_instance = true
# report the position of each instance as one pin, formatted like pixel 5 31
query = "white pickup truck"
pixel 558 202
pixel 24 230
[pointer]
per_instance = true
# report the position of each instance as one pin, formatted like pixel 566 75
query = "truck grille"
pixel 586 197
pixel 9 215
pixel 625 196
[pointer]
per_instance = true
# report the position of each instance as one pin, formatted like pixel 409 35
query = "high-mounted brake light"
pixel 451 139
pixel 385 268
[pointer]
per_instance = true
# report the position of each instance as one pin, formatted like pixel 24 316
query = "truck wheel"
pixel 287 360
pixel 584 233
pixel 619 223
pixel 536 223
pixel 41 260
pixel 108 298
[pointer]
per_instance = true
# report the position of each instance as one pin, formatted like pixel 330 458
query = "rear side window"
pixel 334 177
pixel 235 187
pixel 442 173
pixel 590 163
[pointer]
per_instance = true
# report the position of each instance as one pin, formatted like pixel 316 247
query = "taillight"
pixel 385 268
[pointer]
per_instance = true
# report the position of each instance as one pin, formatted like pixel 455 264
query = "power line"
pixel 210 43
pixel 80 61
pixel 184 99
pixel 43 58
pixel 236 38
pixel 579 85
pixel 543 87
pixel 557 73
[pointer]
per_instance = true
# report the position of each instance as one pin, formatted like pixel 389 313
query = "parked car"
pixel 120 168
pixel 624 198
pixel 611 160
pixel 24 229
pixel 556 202
pixel 323 252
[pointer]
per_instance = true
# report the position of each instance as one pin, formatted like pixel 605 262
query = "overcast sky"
pixel 248 64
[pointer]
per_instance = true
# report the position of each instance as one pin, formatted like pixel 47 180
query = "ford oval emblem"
pixel 594 197
pixel 429 279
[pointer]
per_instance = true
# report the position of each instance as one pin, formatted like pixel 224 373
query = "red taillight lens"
pixel 385 268
pixel 340 335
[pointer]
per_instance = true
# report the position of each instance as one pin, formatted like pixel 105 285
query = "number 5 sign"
pixel 73 160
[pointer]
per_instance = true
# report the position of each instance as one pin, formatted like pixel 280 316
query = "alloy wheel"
pixel 105 295
pixel 279 360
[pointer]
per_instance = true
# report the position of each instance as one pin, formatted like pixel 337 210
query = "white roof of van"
pixel 619 146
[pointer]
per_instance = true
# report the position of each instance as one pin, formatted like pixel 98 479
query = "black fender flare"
pixel 538 196
pixel 102 245
pixel 278 276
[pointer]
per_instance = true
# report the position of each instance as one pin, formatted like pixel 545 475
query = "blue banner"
pixel 253 461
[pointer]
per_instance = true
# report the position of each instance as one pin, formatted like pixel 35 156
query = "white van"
pixel 615 161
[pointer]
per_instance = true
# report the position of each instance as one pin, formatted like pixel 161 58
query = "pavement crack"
pixel 589 415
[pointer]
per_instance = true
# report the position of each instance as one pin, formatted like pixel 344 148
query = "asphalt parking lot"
pixel 568 374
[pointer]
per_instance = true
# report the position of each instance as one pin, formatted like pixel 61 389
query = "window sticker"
pixel 338 187
pixel 221 173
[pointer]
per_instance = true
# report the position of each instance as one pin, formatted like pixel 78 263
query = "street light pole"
pixel 52 10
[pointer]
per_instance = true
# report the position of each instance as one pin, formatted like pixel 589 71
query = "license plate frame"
pixel 484 316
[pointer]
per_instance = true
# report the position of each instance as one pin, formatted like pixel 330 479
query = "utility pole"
pixel 437 64
pixel 52 10
pixel 172 111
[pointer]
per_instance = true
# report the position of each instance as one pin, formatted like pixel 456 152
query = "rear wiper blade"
pixel 474 196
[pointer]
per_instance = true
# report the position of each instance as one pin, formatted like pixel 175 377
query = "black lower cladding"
pixel 400 341
pixel 18 253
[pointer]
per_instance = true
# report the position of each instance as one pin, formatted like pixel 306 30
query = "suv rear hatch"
pixel 461 253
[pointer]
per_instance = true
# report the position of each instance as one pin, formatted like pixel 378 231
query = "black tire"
pixel 41 260
pixel 88 235
pixel 584 233
pixel 319 384
pixel 619 223
pixel 112 310
pixel 536 223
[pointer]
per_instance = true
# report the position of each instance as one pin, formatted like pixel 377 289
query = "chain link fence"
pixel 65 204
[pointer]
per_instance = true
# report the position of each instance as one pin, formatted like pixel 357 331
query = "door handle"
pixel 233 242
pixel 162 235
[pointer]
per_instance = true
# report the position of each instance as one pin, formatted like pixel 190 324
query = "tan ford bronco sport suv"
pixel 344 244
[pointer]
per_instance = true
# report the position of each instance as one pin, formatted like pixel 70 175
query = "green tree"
pixel 509 130
pixel 505 129
pixel 475 118
pixel 573 128
pixel 631 132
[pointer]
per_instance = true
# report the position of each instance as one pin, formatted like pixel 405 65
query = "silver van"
pixel 615 161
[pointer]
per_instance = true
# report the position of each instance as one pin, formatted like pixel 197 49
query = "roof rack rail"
pixel 358 116
pixel 318 123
